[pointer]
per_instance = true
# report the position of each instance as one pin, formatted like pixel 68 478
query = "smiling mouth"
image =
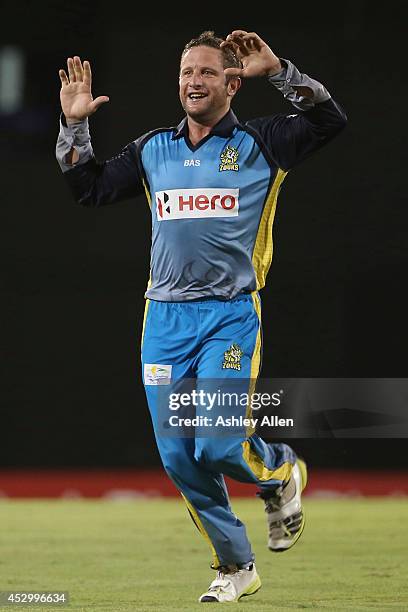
pixel 196 96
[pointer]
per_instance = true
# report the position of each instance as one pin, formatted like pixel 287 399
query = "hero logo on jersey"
pixel 196 203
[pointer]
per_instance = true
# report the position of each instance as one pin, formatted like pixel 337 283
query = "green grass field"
pixel 148 556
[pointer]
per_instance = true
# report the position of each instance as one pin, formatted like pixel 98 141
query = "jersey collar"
pixel 223 128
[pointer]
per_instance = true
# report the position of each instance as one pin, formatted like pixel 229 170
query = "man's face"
pixel 204 90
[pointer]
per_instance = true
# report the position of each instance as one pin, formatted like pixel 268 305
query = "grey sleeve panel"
pixel 289 77
pixel 75 135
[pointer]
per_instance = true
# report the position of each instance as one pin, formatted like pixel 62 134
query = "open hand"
pixel 76 97
pixel 256 57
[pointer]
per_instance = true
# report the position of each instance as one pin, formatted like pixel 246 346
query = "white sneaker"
pixel 231 584
pixel 284 511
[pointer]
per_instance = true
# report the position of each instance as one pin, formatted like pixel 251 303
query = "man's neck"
pixel 199 130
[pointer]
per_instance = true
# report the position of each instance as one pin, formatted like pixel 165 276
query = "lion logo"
pixel 232 358
pixel 228 159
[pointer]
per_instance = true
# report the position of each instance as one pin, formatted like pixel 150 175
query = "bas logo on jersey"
pixel 196 203
pixel 228 159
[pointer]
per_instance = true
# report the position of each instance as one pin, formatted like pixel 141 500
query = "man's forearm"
pixel 299 89
pixel 73 144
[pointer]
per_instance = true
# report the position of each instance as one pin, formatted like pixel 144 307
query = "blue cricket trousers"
pixel 200 340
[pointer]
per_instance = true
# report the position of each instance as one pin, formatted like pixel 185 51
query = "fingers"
pixel 63 77
pixel 246 42
pixel 71 72
pixel 75 69
pixel 87 73
pixel 238 33
pixel 239 43
pixel 234 72
pixel 253 41
pixel 230 45
pixel 98 102
pixel 79 73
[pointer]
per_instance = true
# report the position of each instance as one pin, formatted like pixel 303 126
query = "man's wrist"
pixel 274 70
pixel 72 120
pixel 278 70
pixel 78 130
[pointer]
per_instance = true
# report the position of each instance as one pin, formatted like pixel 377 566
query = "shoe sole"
pixel 303 474
pixel 251 590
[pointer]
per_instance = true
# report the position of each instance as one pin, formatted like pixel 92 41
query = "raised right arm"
pixel 92 183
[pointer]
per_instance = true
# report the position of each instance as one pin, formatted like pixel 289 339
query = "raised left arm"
pixel 288 138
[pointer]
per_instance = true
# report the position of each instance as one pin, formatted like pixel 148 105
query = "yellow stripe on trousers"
pixel 255 361
pixel 201 529
pixel 254 462
pixel 260 470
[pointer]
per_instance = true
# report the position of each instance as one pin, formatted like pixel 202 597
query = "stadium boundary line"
pixel 132 483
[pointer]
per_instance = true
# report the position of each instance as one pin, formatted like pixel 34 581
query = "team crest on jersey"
pixel 228 159
pixel 232 358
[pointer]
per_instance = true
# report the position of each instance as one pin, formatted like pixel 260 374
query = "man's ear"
pixel 233 85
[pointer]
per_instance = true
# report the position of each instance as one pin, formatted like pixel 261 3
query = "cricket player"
pixel 212 184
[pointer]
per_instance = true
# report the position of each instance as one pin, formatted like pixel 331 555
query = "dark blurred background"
pixel 73 280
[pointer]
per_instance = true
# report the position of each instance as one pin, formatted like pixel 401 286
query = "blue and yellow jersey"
pixel 213 204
